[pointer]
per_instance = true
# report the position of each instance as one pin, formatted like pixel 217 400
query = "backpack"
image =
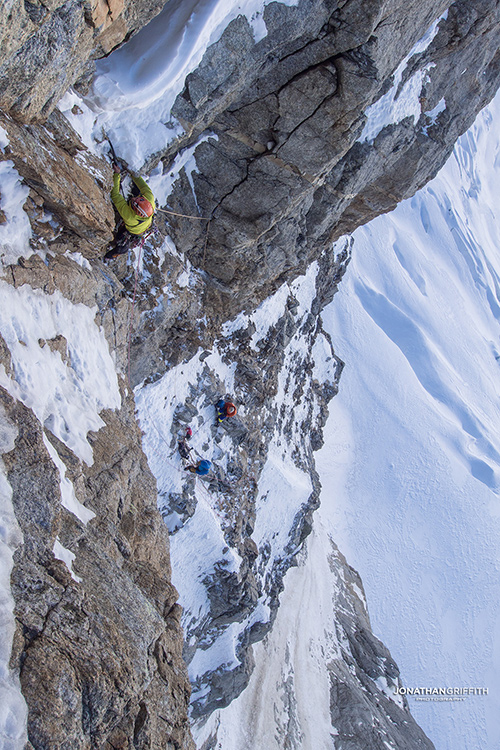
pixel 203 467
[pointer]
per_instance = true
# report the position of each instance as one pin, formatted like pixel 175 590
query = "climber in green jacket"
pixel 137 213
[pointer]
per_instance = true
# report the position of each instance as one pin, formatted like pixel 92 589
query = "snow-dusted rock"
pixel 348 140
pixel 292 136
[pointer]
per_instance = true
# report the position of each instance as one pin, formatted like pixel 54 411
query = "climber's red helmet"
pixel 141 206
pixel 230 409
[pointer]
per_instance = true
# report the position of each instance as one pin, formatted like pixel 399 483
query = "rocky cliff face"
pixel 289 168
pixel 292 151
pixel 98 652
pixel 265 453
pixel 98 641
pixel 46 45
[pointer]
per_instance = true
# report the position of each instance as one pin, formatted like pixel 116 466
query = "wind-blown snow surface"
pixel 411 465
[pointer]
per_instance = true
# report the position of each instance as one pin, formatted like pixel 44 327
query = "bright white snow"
pixel 67 558
pixel 4 139
pixel 433 113
pixel 15 232
pixel 283 489
pixel 198 546
pixel 68 497
pixel 411 465
pixel 267 315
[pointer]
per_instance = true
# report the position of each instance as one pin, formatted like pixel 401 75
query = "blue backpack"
pixel 203 468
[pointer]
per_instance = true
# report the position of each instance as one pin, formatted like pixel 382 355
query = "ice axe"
pixel 115 160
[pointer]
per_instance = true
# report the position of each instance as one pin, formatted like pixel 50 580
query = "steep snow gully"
pixel 409 469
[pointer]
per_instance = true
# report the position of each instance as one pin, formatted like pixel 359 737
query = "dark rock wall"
pixel 285 174
pixel 359 715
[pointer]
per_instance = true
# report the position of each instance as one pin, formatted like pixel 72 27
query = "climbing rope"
pixel 198 218
pixel 133 307
pixel 183 216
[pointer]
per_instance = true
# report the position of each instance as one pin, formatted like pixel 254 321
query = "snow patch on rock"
pixel 66 394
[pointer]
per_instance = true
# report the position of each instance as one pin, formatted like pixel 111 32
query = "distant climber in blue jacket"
pixel 201 468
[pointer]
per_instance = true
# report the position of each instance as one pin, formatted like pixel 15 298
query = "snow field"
pixel 199 547
pixel 411 463
pixel 283 489
pixel 266 315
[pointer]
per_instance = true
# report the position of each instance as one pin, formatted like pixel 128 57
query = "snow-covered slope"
pixel 410 470
pixel 262 488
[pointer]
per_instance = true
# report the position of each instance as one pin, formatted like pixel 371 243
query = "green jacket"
pixel 133 223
